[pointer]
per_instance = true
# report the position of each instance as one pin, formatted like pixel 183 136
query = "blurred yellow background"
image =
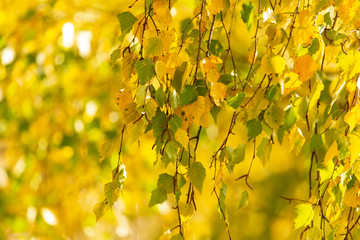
pixel 57 90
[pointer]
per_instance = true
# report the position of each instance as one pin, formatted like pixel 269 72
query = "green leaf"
pixel 340 38
pixel 226 78
pixel 247 14
pixel 304 215
pixel 315 46
pixel 214 112
pixel 226 154
pixel 157 196
pixel 146 70
pixel 153 46
pixel 264 150
pixel 176 237
pixel 114 56
pixel 150 108
pixel 111 191
pixel 243 200
pixel 271 93
pixel 178 77
pixel 254 128
pixel 327 19
pixel 171 149
pixel 239 154
pixel 201 87
pixel 126 20
pixel 221 203
pixel 290 118
pixel 315 142
pixel 174 99
pixel 160 96
pixel 274 116
pixel 197 174
pixel 280 134
pixel 99 209
pixel 236 100
pixel 165 183
pixel 189 95
pixel 175 123
pixel 159 121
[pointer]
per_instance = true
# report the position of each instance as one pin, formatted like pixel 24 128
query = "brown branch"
pixel 200 37
pixel 223 214
pixel 251 98
pixel 210 36
pixel 291 28
pixel 121 143
pixel 256 45
pixel 229 51
pixel 246 176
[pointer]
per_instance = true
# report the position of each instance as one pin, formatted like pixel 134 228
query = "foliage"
pixel 200 118
pixel 300 83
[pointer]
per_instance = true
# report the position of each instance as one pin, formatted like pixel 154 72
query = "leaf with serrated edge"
pixel 197 174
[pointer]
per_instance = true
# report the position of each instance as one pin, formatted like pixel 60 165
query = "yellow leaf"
pixel 127 106
pixel 209 64
pixel 127 65
pixel 169 39
pixel 315 95
pixel 123 98
pixel 191 113
pixel 305 67
pixel 352 118
pixel 205 117
pixel 331 152
pixel 296 140
pixel 271 63
pixel 354 148
pixel 356 168
pixel 150 108
pixel 215 6
pixel 135 131
pixel 182 137
pixel 218 92
pixel 274 34
pixel 130 113
pixel 186 211
pixel 274 116
pixel 292 82
pixel 351 197
pixel 212 75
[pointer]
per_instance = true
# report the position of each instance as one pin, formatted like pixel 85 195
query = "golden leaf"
pixel 352 118
pixel 191 113
pixel 305 67
pixel 331 152
pixel 218 92
pixel 182 137
pixel 271 63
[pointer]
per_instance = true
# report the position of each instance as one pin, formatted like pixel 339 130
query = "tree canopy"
pixel 219 119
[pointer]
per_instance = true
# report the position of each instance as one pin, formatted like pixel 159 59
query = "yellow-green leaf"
pixel 274 116
pixel 304 215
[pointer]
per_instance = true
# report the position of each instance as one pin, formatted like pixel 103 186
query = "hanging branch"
pixel 246 176
pixel 223 214
pixel 229 49
pixel 291 28
pixel 256 46
pixel 121 144
pixel 200 37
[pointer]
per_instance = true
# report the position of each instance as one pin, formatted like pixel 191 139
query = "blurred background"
pixel 57 108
